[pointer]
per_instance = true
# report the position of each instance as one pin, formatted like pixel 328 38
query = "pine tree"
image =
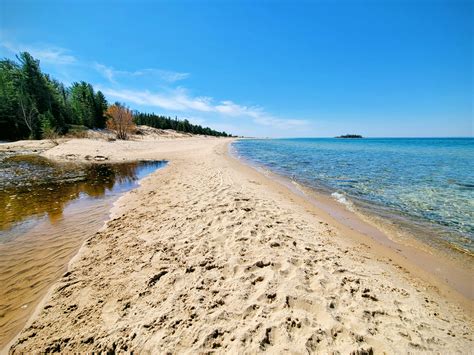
pixel 100 108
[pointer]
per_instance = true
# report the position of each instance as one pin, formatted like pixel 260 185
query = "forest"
pixel 163 122
pixel 33 105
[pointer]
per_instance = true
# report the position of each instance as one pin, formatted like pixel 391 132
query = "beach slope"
pixel 210 255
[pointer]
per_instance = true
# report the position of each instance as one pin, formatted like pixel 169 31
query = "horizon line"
pixel 371 137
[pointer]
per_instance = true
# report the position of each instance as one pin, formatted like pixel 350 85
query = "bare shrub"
pixel 120 120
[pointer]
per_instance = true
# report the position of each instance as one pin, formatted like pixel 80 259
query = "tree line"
pixel 163 122
pixel 32 104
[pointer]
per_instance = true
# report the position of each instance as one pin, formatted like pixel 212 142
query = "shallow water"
pixel 425 185
pixel 46 211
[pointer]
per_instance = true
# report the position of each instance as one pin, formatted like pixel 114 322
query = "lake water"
pixel 426 184
pixel 47 210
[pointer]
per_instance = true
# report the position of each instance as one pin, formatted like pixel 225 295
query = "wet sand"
pixel 452 273
pixel 208 254
pixel 30 266
pixel 47 210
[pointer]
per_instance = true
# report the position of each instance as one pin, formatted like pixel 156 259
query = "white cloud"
pixel 177 99
pixel 195 120
pixel 163 75
pixel 106 71
pixel 166 75
pixel 258 114
pixel 45 53
pixel 180 100
pixel 230 108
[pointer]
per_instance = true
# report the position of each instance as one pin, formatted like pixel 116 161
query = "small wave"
pixel 341 198
pixel 465 186
pixel 297 186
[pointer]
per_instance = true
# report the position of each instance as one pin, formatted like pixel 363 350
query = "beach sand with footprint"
pixel 209 256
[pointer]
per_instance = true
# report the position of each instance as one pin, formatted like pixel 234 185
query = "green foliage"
pixel 34 105
pixel 100 106
pixel 46 122
pixel 9 104
pixel 163 122
pixel 32 102
pixel 80 104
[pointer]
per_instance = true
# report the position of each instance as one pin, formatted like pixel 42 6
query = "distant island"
pixel 350 136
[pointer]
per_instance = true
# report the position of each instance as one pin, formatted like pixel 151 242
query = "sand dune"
pixel 209 255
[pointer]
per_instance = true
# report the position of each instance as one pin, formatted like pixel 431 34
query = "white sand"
pixel 209 255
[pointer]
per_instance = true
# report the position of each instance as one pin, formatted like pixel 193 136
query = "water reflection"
pixel 46 211
pixel 34 187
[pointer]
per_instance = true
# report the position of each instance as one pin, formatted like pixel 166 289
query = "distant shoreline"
pixel 350 136
pixel 368 138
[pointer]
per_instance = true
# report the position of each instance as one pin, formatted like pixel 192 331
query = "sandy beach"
pixel 209 255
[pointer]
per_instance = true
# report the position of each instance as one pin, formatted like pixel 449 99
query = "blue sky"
pixel 264 68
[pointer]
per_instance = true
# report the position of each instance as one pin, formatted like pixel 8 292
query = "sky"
pixel 381 68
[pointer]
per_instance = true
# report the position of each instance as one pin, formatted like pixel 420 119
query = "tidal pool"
pixel 47 210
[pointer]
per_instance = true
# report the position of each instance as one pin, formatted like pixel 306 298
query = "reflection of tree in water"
pixel 47 197
pixel 103 177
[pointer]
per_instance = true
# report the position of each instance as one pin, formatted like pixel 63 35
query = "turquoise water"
pixel 427 181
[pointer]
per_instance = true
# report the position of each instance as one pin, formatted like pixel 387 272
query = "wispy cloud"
pixel 106 71
pixel 112 74
pixel 45 53
pixel 166 75
pixel 175 100
pixel 180 100
pixel 170 99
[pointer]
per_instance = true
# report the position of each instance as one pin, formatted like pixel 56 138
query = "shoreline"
pixel 128 204
pixel 40 148
pixel 432 264
pixel 105 204
pixel 430 202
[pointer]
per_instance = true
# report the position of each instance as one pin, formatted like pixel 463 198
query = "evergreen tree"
pixel 100 108
pixel 83 104
pixel 32 104
pixel 11 126
pixel 163 122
